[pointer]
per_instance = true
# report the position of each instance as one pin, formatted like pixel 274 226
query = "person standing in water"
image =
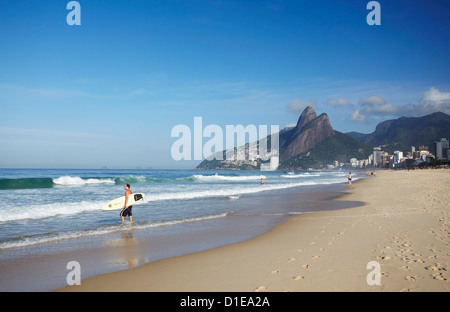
pixel 349 177
pixel 126 211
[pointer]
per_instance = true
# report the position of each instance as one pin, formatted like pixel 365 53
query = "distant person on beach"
pixel 262 182
pixel 126 211
pixel 349 177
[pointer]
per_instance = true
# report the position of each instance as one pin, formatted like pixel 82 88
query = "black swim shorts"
pixel 126 212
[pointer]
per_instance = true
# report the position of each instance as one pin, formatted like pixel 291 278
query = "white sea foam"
pixel 15 213
pixel 219 178
pixel 52 237
pixel 228 191
pixel 301 175
pixel 77 181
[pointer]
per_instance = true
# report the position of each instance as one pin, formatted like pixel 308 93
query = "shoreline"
pixel 403 226
pixel 42 267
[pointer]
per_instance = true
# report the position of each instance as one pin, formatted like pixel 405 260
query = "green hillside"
pixel 401 134
pixel 340 147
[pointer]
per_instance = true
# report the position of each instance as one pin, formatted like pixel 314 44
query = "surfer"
pixel 126 211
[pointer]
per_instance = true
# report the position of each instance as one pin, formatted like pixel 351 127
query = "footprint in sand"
pixel 411 278
pixel 440 277
pixel 306 266
pixel 292 259
pixel 261 288
pixel 436 268
pixel 316 257
pixel 299 277
pixel 275 272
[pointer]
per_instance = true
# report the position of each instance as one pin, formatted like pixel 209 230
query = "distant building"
pixel 438 149
pixel 377 161
pixel 441 147
pixel 423 155
pixel 397 157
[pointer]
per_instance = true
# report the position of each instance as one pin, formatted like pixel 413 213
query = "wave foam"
pixel 48 210
pixel 52 237
pixel 77 181
pixel 227 192
pixel 218 178
pixel 301 175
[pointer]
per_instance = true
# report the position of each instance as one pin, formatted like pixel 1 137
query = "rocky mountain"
pixel 402 133
pixel 312 143
pixel 310 131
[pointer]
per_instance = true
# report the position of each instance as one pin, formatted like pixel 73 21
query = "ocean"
pixel 48 210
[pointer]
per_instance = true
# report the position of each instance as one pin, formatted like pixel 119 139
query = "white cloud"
pixel 377 105
pixel 435 101
pixel 297 106
pixel 357 116
pixel 340 102
pixel 373 106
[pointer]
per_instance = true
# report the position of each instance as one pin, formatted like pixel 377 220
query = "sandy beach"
pixel 403 226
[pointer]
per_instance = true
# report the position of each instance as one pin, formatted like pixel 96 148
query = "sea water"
pixel 42 205
pixel 47 207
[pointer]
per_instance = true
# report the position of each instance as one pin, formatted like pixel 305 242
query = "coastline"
pixel 403 225
pixel 42 267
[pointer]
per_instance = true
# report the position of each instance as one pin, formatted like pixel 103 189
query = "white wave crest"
pixel 16 213
pixel 219 178
pixel 77 181
pixel 301 175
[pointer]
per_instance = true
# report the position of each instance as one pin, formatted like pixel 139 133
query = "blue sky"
pixel 108 92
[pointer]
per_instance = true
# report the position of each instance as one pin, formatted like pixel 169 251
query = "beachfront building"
pixel 398 157
pixel 441 147
pixel 377 161
pixel 423 155
pixel 438 149
pixel 396 160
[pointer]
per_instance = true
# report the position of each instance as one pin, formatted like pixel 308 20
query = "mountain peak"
pixel 310 130
pixel 308 115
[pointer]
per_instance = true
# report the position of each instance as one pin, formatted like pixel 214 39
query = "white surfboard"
pixel 118 203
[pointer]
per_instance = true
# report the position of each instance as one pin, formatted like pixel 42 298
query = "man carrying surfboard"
pixel 126 211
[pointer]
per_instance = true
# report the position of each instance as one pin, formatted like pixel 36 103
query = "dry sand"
pixel 404 226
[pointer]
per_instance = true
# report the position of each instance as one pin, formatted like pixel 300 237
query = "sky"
pixel 109 91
